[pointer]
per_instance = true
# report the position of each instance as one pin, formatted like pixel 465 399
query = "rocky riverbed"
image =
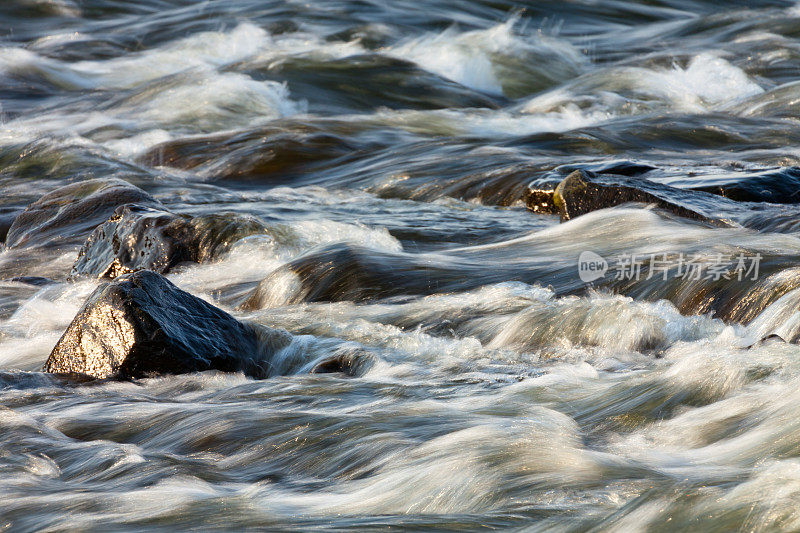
pixel 354 265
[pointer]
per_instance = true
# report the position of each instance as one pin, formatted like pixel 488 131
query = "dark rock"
pixel 67 214
pixel 142 325
pixel 335 273
pixel 268 154
pixel 781 186
pixel 583 192
pixel 348 361
pixel 538 196
pixel 7 217
pixel 36 281
pixel 344 272
pixel 139 237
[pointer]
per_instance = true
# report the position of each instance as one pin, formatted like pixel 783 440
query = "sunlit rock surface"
pixel 138 237
pixel 141 325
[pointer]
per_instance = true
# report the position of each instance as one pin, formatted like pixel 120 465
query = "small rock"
pixel 348 361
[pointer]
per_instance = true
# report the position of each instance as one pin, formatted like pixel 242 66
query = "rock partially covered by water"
pixel 346 272
pixel 348 361
pixel 583 192
pixel 67 214
pixel 139 237
pixel 538 195
pixel 141 325
pixel 7 217
pixel 269 154
pixel 335 273
pixel 778 186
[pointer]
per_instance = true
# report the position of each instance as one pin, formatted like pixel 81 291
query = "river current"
pixel 387 148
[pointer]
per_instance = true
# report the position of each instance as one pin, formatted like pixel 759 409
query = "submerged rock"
pixel 538 197
pixel 370 81
pixel 348 361
pixel 36 281
pixel 269 154
pixel 779 186
pixel 138 237
pixel 583 192
pixel 335 273
pixel 617 167
pixel 67 214
pixel 7 217
pixel 346 272
pixel 142 325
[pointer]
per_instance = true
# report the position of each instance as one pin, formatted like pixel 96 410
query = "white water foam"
pixel 202 51
pixel 255 257
pixel 177 90
pixel 705 83
pixel 486 60
pixel 29 335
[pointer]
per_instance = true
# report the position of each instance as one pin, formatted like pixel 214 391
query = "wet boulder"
pixel 583 192
pixel 66 215
pixel 140 237
pixel 538 195
pixel 141 325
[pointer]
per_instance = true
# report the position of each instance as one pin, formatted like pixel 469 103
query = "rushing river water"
pixel 387 148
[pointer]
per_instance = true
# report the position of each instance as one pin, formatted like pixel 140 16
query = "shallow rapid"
pixel 411 187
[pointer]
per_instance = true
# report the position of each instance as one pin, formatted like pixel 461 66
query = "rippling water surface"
pixel 387 147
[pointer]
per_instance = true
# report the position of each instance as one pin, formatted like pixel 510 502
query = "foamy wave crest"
pixel 492 123
pixel 707 82
pixel 495 61
pixel 191 104
pixel 611 322
pixel 202 51
pixel 252 258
